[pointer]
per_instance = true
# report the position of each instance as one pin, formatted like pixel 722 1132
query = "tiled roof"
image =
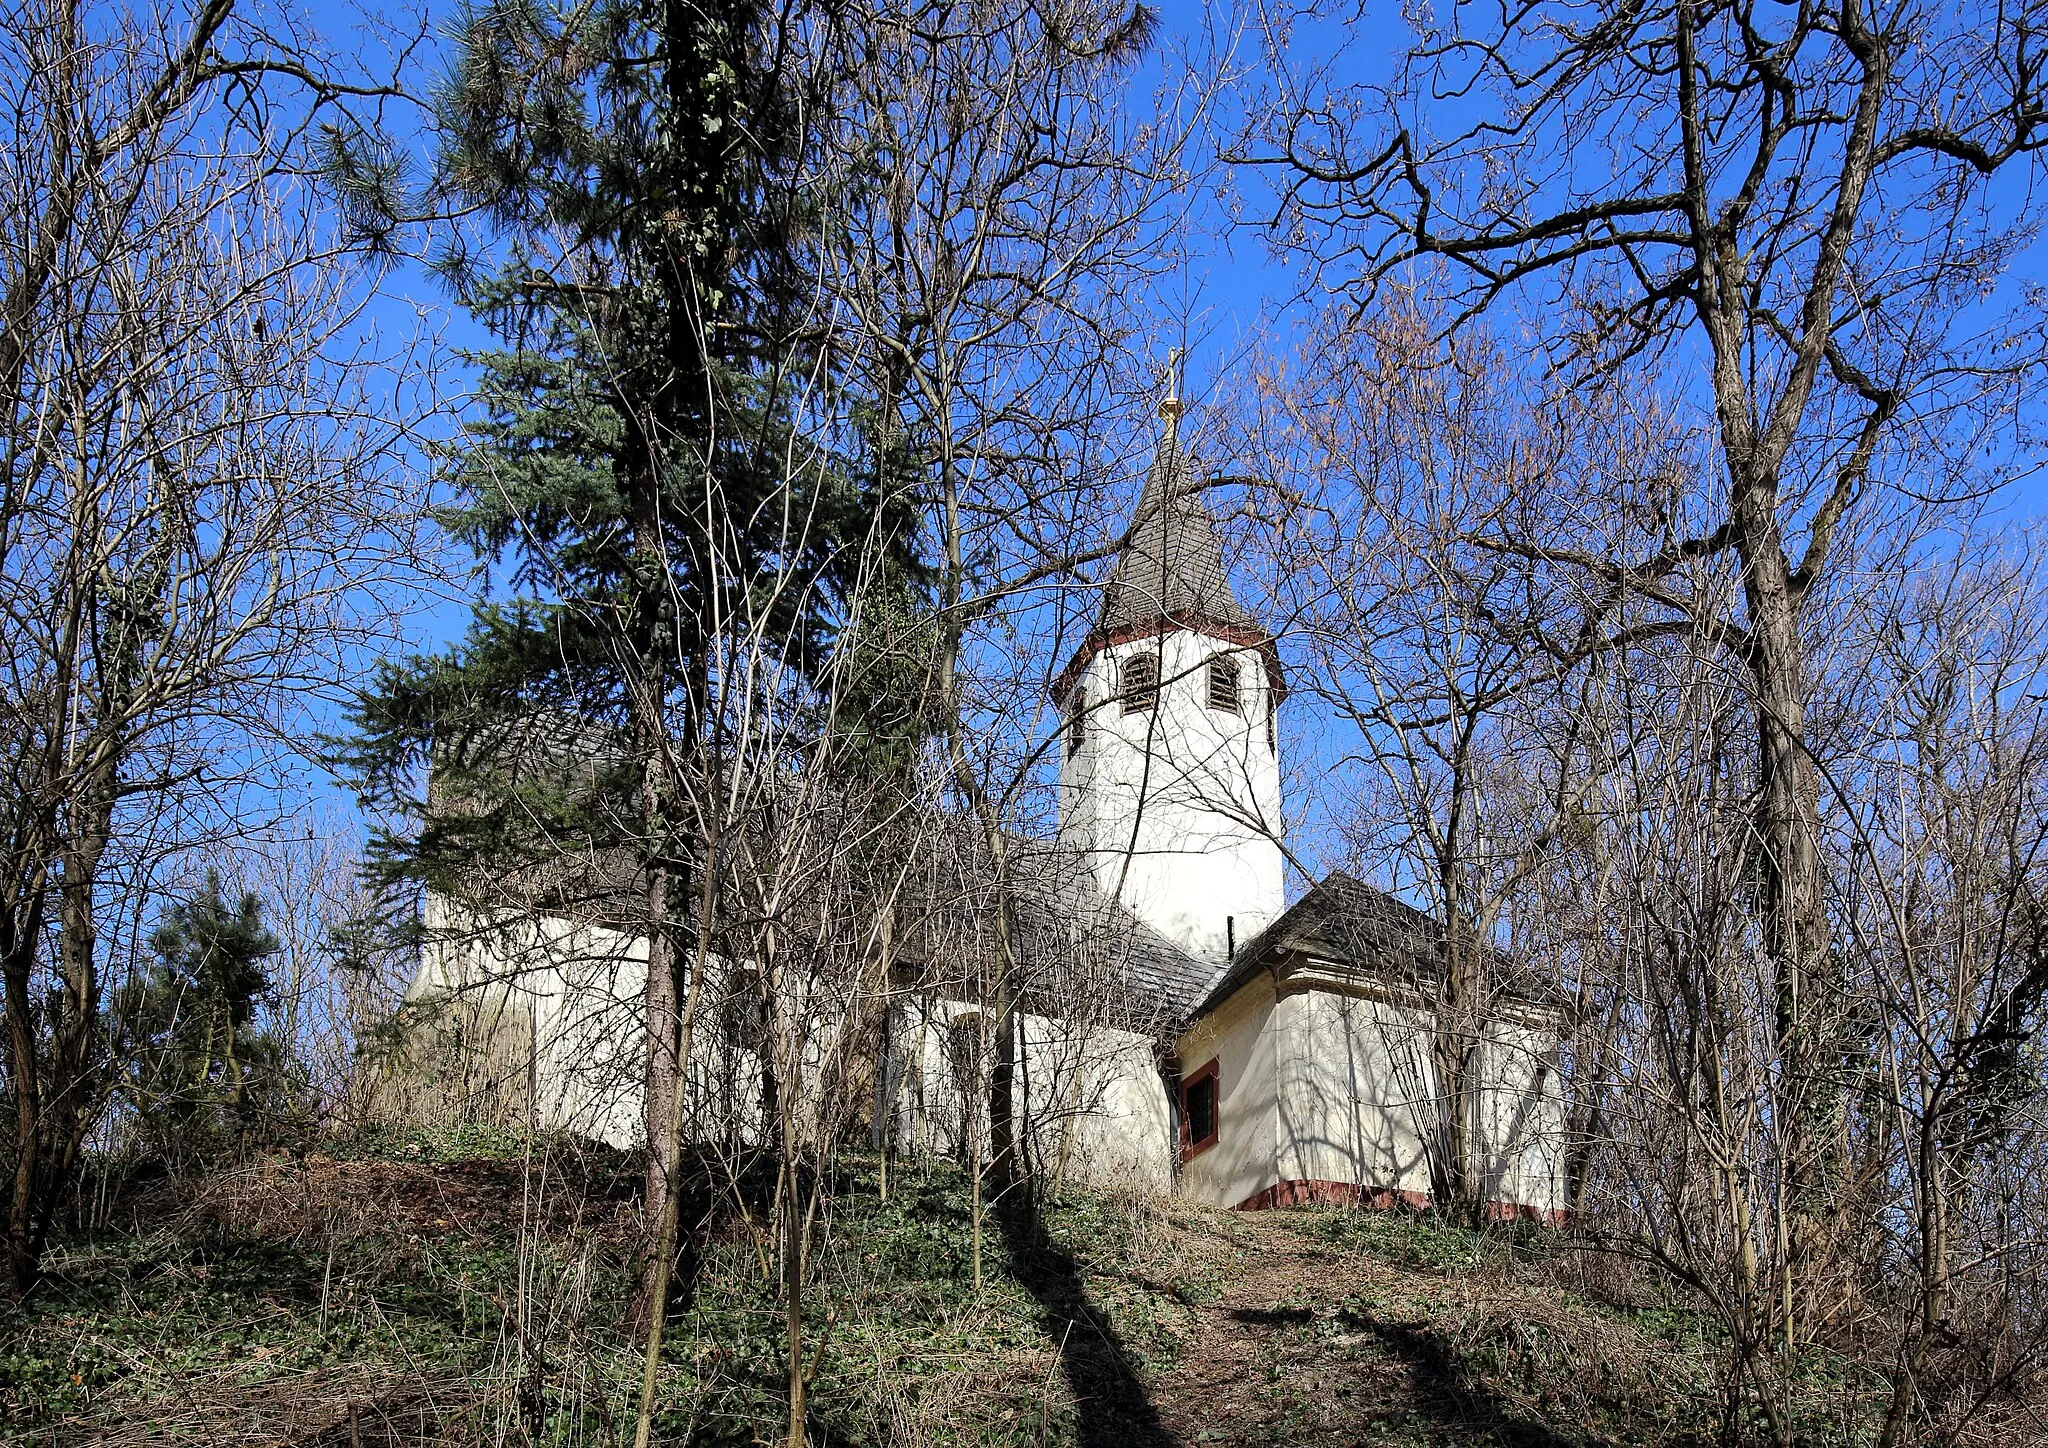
pixel 1345 920
pixel 1172 568
pixel 1077 948
pixel 1160 985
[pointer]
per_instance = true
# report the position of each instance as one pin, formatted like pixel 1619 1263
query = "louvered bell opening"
pixel 1140 682
pixel 1223 685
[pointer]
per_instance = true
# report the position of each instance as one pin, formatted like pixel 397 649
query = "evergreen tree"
pixel 201 1074
pixel 642 469
pixel 638 465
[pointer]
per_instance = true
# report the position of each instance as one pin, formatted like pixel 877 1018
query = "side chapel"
pixel 1260 1054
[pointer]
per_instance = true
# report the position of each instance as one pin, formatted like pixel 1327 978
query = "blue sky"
pixel 1234 295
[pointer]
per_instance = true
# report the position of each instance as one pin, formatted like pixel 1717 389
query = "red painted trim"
pixel 1095 643
pixel 1191 1149
pixel 1332 1194
pixel 1383 1199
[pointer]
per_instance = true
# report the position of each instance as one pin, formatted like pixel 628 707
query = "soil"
pixel 1311 1346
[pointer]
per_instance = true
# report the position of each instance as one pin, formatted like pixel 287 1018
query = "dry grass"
pixel 362 1405
pixel 347 1301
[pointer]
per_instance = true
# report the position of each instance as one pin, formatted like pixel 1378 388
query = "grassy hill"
pixel 459 1292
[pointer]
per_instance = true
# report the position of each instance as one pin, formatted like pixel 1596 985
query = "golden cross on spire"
pixel 1171 408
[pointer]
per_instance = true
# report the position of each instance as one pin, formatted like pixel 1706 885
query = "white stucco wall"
pixel 1522 1116
pixel 1239 1037
pixel 1353 1075
pixel 1177 808
pixel 1326 1086
pixel 1094 1102
pixel 578 988
pixel 1314 1085
pixel 579 993
pixel 565 1002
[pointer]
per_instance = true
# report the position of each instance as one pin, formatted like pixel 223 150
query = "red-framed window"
pixel 1201 1110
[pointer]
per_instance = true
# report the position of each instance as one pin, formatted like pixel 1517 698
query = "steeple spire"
pixel 1172 570
pixel 1171 573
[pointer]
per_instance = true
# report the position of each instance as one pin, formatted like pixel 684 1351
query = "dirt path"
pixel 1310 1346
pixel 1242 1377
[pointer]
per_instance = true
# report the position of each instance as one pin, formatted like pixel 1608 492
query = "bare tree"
pixel 1947 865
pixel 1445 662
pixel 988 282
pixel 1791 215
pixel 190 498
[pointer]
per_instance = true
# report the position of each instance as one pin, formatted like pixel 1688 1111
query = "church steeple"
pixel 1170 778
pixel 1171 573
pixel 1172 570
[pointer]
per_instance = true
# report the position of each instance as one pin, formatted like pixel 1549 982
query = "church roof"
pixel 1161 984
pixel 1171 570
pixel 1346 921
pixel 1343 919
pixel 1171 574
pixel 1077 948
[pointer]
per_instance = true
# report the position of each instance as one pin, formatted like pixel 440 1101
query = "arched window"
pixel 1077 718
pixel 1223 684
pixel 1140 682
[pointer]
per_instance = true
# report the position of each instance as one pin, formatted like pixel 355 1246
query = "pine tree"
pixel 201 1075
pixel 642 469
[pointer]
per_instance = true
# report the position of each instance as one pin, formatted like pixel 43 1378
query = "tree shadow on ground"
pixel 1114 1409
pixel 1448 1392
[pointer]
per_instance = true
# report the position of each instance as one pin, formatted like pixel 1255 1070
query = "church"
pixel 1238 1050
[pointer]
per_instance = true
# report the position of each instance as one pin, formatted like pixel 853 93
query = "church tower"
pixel 1170 760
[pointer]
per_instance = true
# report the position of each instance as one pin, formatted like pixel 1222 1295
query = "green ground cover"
pixel 414 1289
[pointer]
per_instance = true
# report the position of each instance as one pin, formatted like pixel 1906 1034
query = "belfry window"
pixel 1199 1121
pixel 1077 718
pixel 1223 679
pixel 1140 682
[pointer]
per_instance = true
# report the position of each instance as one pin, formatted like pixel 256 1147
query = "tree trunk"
pixel 794 1234
pixel 654 1291
pixel 1793 886
pixel 18 964
pixel 647 686
pixel 1456 1037
pixel 71 1083
pixel 1002 1079
pixel 663 1087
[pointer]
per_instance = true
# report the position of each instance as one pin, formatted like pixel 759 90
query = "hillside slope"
pixel 407 1296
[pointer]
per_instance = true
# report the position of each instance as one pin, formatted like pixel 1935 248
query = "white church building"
pixel 1258 1054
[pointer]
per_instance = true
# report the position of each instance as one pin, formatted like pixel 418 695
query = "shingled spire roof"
pixel 1170 575
pixel 1172 568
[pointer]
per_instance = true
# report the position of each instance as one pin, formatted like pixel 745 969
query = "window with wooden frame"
pixel 1077 719
pixel 1223 684
pixel 1140 681
pixel 1200 1111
